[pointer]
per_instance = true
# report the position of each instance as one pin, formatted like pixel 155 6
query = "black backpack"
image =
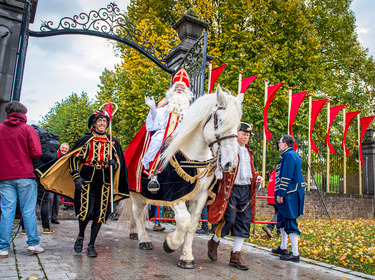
pixel 50 145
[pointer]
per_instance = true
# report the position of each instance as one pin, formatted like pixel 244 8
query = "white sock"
pixel 237 246
pixel 215 238
pixel 294 240
pixel 284 239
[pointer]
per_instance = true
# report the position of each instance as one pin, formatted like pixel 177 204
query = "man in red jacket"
pixel 19 148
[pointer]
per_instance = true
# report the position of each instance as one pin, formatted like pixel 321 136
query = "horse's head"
pixel 220 129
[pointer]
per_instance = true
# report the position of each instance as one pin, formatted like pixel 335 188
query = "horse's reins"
pixel 218 140
pixel 216 127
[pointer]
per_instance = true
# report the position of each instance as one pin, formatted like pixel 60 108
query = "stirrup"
pixel 153 186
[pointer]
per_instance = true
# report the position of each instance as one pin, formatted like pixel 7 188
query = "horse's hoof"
pixel 187 264
pixel 133 236
pixel 145 246
pixel 166 247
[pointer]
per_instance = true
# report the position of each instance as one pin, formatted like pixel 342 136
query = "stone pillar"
pixel 189 29
pixel 10 26
pixel 368 171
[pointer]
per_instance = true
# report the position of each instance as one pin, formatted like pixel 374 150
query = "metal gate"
pixel 109 23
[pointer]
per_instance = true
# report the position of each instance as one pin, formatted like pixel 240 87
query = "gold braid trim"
pixel 84 202
pixel 170 203
pixel 186 177
pixel 104 203
pixel 219 228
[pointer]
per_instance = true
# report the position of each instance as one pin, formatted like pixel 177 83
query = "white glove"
pixel 259 182
pixel 218 173
pixel 150 102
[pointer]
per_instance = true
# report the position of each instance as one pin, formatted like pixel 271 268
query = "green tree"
pixel 307 45
pixel 68 118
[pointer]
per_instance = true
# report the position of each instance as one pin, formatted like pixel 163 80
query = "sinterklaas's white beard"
pixel 178 103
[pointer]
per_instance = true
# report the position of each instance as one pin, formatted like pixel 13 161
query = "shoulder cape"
pixel 55 175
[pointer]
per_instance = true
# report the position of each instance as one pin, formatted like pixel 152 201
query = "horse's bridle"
pixel 216 126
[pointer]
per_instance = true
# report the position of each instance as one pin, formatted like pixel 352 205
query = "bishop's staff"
pixel 108 111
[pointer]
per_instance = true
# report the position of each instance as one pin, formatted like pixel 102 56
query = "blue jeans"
pixel 204 216
pixel 153 213
pixel 26 190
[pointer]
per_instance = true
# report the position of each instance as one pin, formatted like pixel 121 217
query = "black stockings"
pixel 95 227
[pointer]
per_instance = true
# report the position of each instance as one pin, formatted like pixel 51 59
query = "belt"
pixel 96 166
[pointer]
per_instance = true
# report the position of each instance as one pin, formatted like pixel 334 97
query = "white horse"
pixel 208 130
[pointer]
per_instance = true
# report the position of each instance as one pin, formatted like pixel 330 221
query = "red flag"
pixel 365 122
pixel 349 118
pixel 246 82
pixel 108 110
pixel 271 92
pixel 332 115
pixel 294 106
pixel 317 106
pixel 215 75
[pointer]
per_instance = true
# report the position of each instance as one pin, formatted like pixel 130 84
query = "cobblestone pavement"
pixel 120 258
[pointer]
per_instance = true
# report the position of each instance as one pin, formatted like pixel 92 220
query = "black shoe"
pixel 201 231
pixel 268 231
pixel 290 258
pixel 279 251
pixel 66 207
pixel 78 245
pixel 55 221
pixel 91 252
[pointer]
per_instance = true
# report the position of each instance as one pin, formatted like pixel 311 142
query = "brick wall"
pixel 340 206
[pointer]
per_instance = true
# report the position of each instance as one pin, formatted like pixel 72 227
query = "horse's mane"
pixel 199 112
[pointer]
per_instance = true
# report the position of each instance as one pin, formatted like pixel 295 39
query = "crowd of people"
pixel 84 173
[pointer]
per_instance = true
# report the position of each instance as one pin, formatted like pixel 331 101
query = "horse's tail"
pixel 124 211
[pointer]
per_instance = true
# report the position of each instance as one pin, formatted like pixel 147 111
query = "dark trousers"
pixel 45 199
pixel 238 223
pixel 274 219
pixel 55 206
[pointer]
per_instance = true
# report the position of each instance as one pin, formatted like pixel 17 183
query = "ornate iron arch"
pixel 106 23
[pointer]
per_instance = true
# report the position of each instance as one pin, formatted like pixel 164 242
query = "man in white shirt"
pixel 237 217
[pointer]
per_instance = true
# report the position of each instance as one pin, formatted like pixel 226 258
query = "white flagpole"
pixel 239 82
pixel 209 76
pixel 264 136
pixel 110 151
pixel 309 145
pixel 328 152
pixel 289 109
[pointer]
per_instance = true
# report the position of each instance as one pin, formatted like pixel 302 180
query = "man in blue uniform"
pixel 290 196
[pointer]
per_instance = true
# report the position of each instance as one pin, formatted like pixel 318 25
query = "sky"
pixel 58 66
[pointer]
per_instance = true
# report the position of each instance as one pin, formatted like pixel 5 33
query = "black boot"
pixel 78 245
pixel 91 252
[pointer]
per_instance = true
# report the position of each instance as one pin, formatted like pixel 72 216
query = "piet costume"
pixel 88 159
pixel 234 206
pixel 289 184
pixel 143 154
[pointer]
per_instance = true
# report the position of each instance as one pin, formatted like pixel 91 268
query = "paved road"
pixel 120 258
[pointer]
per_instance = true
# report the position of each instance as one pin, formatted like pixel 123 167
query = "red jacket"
pixel 19 148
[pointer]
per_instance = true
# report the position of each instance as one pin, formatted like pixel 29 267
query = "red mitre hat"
pixel 182 77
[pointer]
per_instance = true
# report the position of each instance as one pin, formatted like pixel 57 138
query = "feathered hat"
pixel 93 118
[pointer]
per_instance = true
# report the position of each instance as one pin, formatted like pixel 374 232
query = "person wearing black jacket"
pixel 90 170
pixel 50 145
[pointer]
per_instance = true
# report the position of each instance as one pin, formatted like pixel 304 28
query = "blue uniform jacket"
pixel 289 184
